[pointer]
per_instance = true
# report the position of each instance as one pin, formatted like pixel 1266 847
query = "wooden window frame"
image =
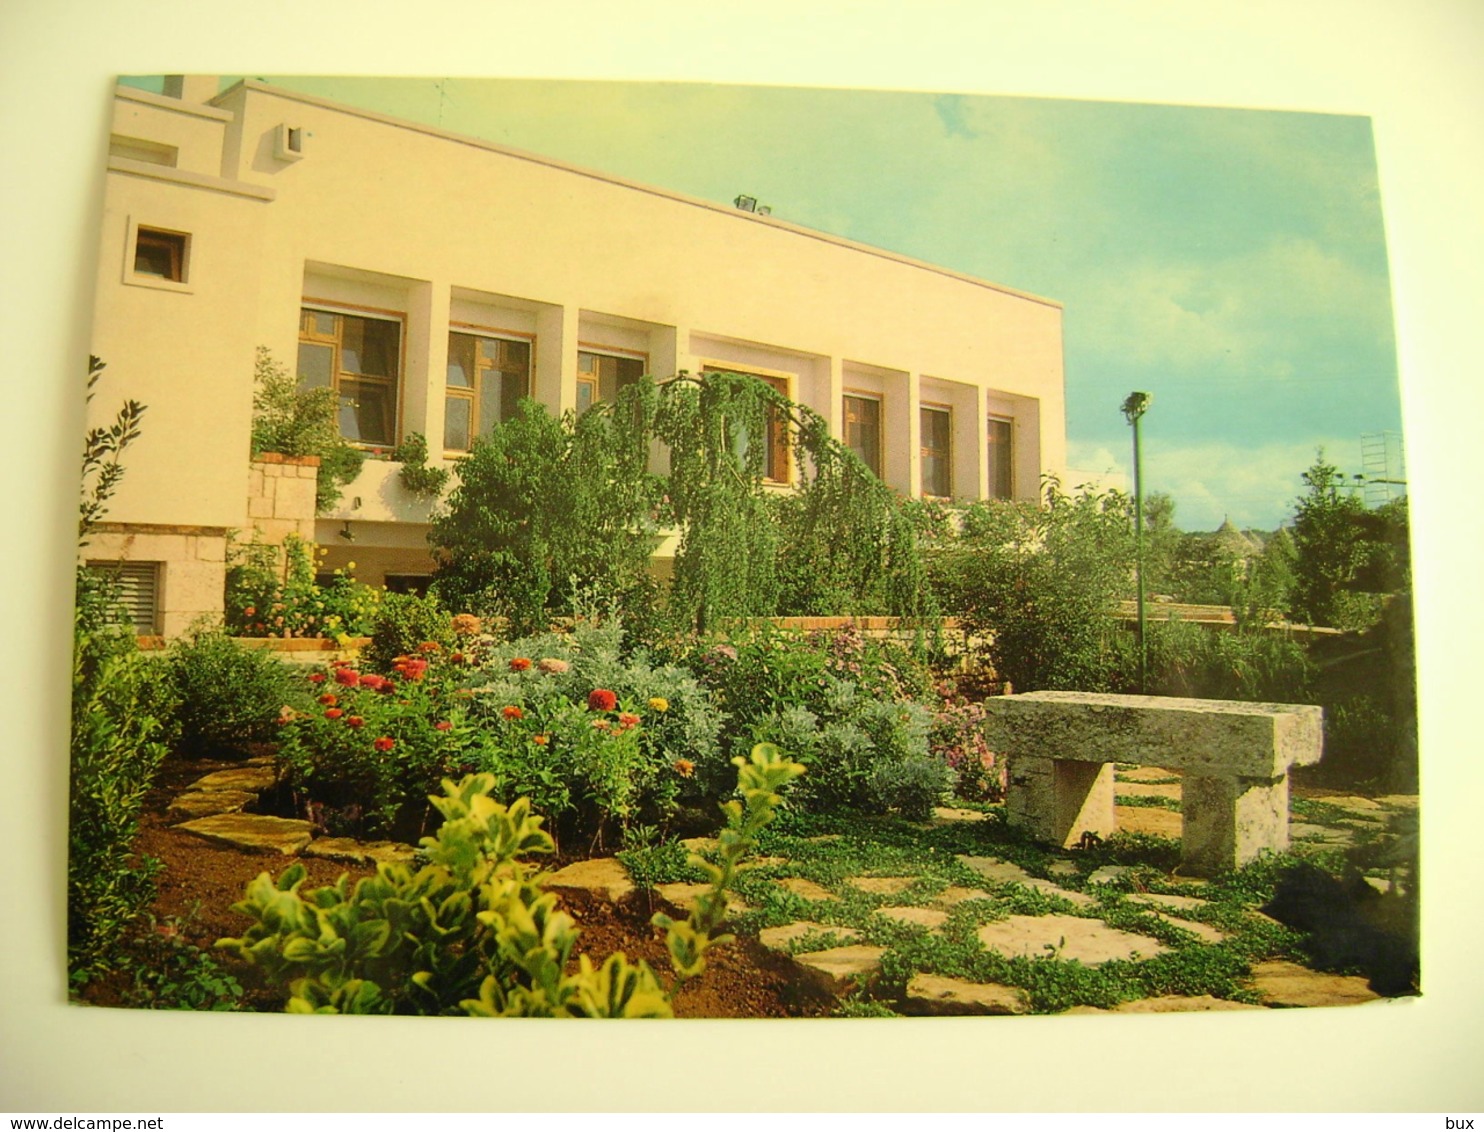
pixel 947 410
pixel 593 385
pixel 780 434
pixel 397 383
pixel 474 394
pixel 176 243
pixel 1009 488
pixel 880 400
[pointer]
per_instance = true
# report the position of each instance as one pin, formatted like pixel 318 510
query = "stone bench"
pixel 1234 757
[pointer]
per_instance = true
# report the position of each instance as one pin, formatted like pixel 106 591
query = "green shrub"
pixel 301 422
pixel 119 724
pixel 269 598
pixel 403 623
pixel 1258 665
pixel 911 786
pixel 416 475
pixel 230 695
pixel 473 931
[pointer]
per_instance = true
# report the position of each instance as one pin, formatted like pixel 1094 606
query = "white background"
pixel 1415 68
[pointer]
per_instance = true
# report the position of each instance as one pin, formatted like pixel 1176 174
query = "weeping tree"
pixel 543 502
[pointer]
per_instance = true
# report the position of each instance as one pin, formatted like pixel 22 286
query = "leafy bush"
pixel 230 695
pixel 957 738
pixel 472 931
pixel 266 598
pixel 911 787
pixel 1258 665
pixel 1036 585
pixel 301 422
pixel 402 625
pixel 363 757
pixel 168 972
pixel 119 724
pixel 416 475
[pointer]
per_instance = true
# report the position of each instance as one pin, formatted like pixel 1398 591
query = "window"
pixel 776 462
pixel 487 377
pixel 863 429
pixel 408 583
pixel 937 451
pixel 138 586
pixel 359 357
pixel 1001 460
pixel 160 255
pixel 601 376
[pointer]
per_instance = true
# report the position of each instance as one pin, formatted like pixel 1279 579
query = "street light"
pixel 1134 407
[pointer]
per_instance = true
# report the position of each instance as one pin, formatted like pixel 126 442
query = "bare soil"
pixel 199 881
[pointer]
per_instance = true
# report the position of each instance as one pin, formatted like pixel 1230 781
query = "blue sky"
pixel 1231 262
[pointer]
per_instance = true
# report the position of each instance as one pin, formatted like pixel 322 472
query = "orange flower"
pixel 541 740
pixel 443 725
pixel 329 699
pixel 512 712
pixel 385 743
pixel 354 721
pixel 519 663
pixel 628 719
pixel 333 713
pixel 428 648
pixel 684 767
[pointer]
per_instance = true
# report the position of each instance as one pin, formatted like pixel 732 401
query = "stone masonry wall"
pixel 280 496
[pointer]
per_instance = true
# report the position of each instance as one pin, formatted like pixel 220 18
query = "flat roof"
pixel 679 198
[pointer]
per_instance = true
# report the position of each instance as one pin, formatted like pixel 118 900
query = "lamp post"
pixel 1134 407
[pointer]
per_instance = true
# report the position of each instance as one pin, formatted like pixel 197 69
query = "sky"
pixel 1230 262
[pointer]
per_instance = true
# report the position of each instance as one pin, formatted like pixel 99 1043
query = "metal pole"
pixel 1133 409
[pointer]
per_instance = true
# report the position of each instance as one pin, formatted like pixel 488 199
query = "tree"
pixel 301 422
pixel 1332 547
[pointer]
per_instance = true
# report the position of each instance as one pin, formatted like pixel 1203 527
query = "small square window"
pixel 160 255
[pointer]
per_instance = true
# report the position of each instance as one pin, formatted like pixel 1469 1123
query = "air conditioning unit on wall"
pixel 288 142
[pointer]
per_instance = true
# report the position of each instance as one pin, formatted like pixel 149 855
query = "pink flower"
pixel 628 719
pixel 601 699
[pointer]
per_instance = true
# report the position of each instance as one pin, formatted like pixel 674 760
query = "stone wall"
pixel 280 496
pixel 191 562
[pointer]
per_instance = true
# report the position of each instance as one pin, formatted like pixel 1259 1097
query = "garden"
pixel 555 786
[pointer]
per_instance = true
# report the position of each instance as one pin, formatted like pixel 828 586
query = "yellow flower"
pixel 659 703
pixel 350 565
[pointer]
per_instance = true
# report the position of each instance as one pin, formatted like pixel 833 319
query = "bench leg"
pixel 1228 822
pixel 1058 800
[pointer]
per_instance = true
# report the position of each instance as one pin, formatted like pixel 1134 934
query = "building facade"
pixel 433 280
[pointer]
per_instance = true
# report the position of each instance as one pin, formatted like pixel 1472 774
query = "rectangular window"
pixel 601 376
pixel 937 451
pixel 778 461
pixel 358 356
pixel 1001 460
pixel 487 377
pixel 863 429
pixel 138 589
pixel 160 255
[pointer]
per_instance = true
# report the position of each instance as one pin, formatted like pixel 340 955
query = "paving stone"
pixel 700 844
pixel 1070 937
pixel 1051 888
pixel 841 969
pixel 1204 932
pixel 1281 983
pixel 954 895
pixel 883 886
pixel 1148 789
pixel 762 862
pixel 779 938
pixel 929 918
pixel 996 870
pixel 261 760
pixel 823 838
pixel 360 852
pixel 204 803
pixel 938 994
pixel 948 815
pixel 604 877
pixel 1324 834
pixel 807 889
pixel 1152 820
pixel 254 833
pixel 1063 868
pixel 685 895
pixel 1168 1004
pixel 1108 873
pixel 249 778
pixel 1398 801
pixel 1356 803
pixel 1163 900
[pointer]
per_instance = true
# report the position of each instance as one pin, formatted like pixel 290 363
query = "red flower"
pixel 354 721
pixel 457 658
pixel 628 719
pixel 372 681
pixel 443 725
pixel 512 712
pixel 601 699
pixel 385 743
pixel 411 669
pixel 329 699
pixel 520 663
pixel 347 676
pixel 250 611
pixel 317 678
pixel 333 713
